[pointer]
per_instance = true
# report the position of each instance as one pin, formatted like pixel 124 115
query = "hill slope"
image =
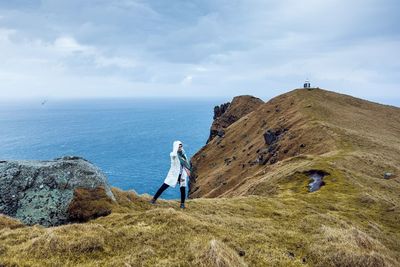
pixel 228 113
pixel 309 129
pixel 264 214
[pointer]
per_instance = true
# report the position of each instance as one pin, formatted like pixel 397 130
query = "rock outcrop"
pixel 230 112
pixel 296 132
pixel 53 192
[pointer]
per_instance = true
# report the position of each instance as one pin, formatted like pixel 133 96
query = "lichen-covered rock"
pixel 52 192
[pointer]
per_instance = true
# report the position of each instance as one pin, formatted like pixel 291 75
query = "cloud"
pixel 69 44
pixel 187 80
pixel 5 34
pixel 259 47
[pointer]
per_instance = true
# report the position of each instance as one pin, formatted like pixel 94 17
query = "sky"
pixel 208 48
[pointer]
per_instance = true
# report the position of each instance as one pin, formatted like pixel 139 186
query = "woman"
pixel 178 172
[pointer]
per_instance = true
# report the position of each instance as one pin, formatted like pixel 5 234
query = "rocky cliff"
pixel 53 192
pixel 228 113
pixel 298 134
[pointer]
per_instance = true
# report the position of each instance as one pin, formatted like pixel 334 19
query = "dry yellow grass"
pixel 283 230
pixel 8 222
pixel 268 219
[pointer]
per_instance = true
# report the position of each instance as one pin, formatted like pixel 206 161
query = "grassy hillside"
pixel 256 215
pixel 319 129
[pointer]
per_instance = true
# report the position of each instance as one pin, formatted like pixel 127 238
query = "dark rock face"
pixel 43 192
pixel 271 153
pixel 270 137
pixel 219 110
pixel 228 113
pixel 216 129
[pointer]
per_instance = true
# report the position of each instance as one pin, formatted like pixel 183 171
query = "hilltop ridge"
pixel 296 132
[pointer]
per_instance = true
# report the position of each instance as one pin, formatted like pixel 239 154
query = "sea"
pixel 128 139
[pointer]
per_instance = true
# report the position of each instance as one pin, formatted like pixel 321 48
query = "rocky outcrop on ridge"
pixel 53 192
pixel 292 135
pixel 230 112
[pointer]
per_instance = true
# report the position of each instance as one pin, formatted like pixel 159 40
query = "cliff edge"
pixel 350 141
pixel 228 113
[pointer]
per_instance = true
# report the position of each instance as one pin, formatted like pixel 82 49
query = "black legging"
pixel 165 186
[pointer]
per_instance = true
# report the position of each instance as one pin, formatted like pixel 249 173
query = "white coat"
pixel 176 168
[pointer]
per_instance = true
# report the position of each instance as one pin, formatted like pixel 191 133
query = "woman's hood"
pixel 175 147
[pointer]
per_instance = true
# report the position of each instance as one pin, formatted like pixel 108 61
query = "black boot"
pixel 159 192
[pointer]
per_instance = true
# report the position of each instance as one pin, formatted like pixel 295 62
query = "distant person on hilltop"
pixel 178 172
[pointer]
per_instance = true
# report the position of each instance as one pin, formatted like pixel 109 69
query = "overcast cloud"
pixel 101 48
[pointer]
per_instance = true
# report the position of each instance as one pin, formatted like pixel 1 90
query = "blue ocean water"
pixel 129 139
